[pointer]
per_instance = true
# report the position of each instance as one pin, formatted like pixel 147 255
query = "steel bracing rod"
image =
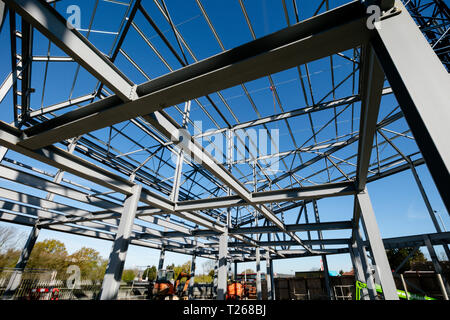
pixel 420 83
pixel 420 186
pixel 242 85
pixel 75 165
pixel 61 105
pixel 51 24
pixel 28 221
pixel 169 128
pixel 341 161
pixel 232 67
pixel 198 102
pixel 14 62
pixel 10 80
pixel 290 114
pixel 186 215
pixel 283 195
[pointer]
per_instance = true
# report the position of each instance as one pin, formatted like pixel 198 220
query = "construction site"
pixel 242 132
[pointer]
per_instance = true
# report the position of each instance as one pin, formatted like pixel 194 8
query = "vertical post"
pixel 323 256
pixel 366 266
pixel 358 269
pixel 16 276
pixel 404 286
pixel 428 205
pixel 258 274
pixel 376 244
pixel 437 267
pixel 420 83
pixel 222 269
pixel 269 275
pixel 216 268
pixel 3 151
pixel 192 279
pixel 162 255
pixel 113 275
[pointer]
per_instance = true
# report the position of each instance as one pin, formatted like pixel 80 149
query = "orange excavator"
pixel 168 288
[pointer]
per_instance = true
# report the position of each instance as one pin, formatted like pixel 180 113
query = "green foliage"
pixel 203 278
pixel 49 254
pixel 9 258
pixel 396 256
pixel 128 275
pixel 150 273
pixel 91 264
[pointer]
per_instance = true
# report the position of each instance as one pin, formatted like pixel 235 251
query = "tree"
pixel 129 275
pixel 91 264
pixel 49 254
pixel 208 267
pixel 9 258
pixel 9 238
pixel 397 256
pixel 150 273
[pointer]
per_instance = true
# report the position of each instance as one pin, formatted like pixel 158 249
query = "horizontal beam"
pixel 282 195
pixel 295 228
pixel 309 40
pixel 292 243
pixel 50 23
pixel 421 86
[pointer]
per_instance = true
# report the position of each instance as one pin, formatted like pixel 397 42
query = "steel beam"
pixel 113 275
pixel 420 83
pixel 222 267
pixel 371 86
pixel 282 195
pixel 16 276
pixel 306 41
pixel 376 245
pixel 50 23
pixel 437 267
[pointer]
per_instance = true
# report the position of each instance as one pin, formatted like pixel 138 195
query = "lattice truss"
pixel 90 112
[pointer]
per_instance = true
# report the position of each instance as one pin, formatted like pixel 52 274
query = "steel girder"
pixel 421 90
pixel 314 38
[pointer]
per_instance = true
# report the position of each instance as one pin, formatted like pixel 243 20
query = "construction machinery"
pixel 236 291
pixel 166 287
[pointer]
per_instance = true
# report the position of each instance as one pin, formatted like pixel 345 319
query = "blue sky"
pixel 396 200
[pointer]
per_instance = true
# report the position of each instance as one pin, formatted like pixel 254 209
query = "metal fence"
pixel 41 284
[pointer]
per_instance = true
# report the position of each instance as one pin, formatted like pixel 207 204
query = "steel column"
pixel 420 83
pixel 16 276
pixel 222 266
pixel 376 244
pixel 366 267
pixel 357 268
pixel 323 256
pixel 258 274
pixel 428 205
pixel 192 279
pixel 269 276
pixel 48 21
pixel 113 275
pixel 161 259
pixel 437 267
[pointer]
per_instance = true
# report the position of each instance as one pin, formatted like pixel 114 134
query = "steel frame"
pixel 123 194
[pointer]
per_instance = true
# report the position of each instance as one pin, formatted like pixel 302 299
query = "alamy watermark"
pixel 229 147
